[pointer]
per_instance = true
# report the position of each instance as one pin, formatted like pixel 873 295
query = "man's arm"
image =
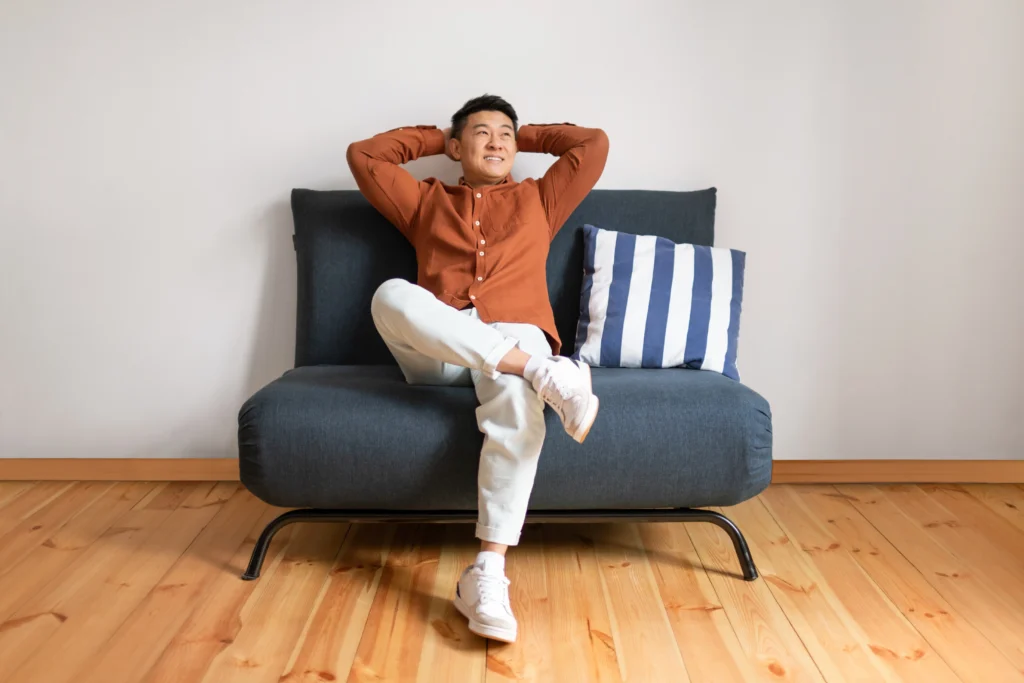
pixel 375 163
pixel 582 154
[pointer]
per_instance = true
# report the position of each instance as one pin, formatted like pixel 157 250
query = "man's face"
pixel 487 147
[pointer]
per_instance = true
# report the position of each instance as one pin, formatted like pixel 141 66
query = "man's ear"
pixel 455 149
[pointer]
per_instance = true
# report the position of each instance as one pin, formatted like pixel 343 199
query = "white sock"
pixel 491 562
pixel 532 366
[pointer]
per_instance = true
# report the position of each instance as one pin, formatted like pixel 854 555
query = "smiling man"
pixel 479 313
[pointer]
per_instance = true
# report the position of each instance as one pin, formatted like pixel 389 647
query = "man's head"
pixel 483 139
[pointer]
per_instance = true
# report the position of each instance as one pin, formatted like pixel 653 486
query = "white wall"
pixel 869 156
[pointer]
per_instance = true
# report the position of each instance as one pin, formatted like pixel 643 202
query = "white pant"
pixel 440 345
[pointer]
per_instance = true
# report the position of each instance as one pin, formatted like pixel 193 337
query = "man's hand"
pixel 447 147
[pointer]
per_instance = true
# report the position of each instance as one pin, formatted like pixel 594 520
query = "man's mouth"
pixel 493 159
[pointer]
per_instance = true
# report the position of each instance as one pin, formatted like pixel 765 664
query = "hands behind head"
pixel 447 146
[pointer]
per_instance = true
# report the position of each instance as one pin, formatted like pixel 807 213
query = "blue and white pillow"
pixel 648 302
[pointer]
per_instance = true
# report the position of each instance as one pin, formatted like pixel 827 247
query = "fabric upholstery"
pixel 344 430
pixel 649 302
pixel 360 437
pixel 345 249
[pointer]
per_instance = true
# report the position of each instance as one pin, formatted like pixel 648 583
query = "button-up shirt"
pixel 483 246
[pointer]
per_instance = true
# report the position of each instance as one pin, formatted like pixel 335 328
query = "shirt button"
pixel 483 241
pixel 477 223
pixel 472 296
pixel 479 279
pixel 481 253
pixel 478 195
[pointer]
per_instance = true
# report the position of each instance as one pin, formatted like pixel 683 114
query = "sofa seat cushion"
pixel 359 437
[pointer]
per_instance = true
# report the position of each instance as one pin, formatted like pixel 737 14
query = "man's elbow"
pixel 598 144
pixel 359 159
pixel 353 154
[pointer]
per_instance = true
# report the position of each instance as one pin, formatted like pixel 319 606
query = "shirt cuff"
pixel 529 137
pixel 433 141
pixel 526 138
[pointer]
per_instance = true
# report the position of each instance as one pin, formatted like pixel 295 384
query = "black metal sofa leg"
pixel 259 552
pixel 738 541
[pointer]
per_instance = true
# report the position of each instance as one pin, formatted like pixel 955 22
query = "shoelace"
pixel 557 385
pixel 492 589
pixel 550 398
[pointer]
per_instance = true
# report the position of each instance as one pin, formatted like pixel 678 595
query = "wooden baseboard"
pixel 898 472
pixel 784 471
pixel 118 469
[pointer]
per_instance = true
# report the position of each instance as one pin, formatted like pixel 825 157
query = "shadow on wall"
pixel 272 349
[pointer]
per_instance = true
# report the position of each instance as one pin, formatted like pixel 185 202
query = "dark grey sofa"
pixel 343 437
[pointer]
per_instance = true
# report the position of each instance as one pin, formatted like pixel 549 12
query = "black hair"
pixel 482 103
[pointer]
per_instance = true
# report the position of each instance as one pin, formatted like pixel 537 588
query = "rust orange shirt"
pixel 487 246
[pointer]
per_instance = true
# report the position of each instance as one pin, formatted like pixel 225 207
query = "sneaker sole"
pixel 583 430
pixel 505 635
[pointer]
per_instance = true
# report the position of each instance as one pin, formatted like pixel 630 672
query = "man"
pixel 479 314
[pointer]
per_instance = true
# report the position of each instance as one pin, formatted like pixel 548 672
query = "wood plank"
pixel 119 469
pixel 215 624
pixel 768 639
pixel 38 527
pixel 396 626
pixel 37 618
pixel 26 578
pixel 1006 500
pixel 580 624
pixel 450 650
pixel 89 623
pixel 980 521
pixel 170 495
pixel 949 575
pixel 28 503
pixel 783 471
pixel 327 647
pixel 1001 572
pixel 968 652
pixel 892 637
pixel 702 630
pixel 530 658
pixel 9 490
pixel 110 591
pixel 136 645
pixel 158 489
pixel 261 649
pixel 897 471
pixel 840 649
pixel 644 643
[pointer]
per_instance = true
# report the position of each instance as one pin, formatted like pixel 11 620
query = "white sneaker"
pixel 482 597
pixel 565 385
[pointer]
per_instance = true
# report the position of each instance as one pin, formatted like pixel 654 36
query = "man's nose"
pixel 494 143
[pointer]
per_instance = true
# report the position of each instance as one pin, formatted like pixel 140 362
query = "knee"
pixel 388 297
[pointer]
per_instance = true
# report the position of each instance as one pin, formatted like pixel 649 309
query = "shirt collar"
pixel 507 180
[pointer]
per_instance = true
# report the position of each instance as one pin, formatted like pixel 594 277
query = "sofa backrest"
pixel 346 249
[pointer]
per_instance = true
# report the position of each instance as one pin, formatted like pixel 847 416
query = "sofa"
pixel 342 437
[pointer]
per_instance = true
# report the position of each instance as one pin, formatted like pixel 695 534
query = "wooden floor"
pixel 111 582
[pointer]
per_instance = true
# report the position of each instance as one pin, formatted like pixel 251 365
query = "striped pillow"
pixel 648 302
